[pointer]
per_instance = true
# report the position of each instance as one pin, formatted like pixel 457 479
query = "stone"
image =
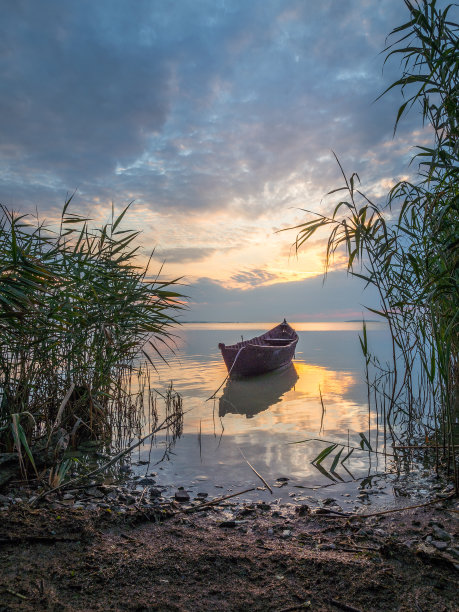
pixel 202 494
pixel 68 496
pixel 154 492
pixel 302 510
pixel 286 534
pixel 439 545
pixel 147 481
pixel 283 479
pixel 441 534
pixel 182 496
pixel 228 524
pixel 94 492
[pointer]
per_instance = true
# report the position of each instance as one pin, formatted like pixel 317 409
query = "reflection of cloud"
pixel 253 277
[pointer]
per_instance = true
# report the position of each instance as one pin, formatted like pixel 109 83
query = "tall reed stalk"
pixel 412 261
pixel 76 309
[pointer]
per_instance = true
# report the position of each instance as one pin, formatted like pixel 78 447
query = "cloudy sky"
pixel 218 118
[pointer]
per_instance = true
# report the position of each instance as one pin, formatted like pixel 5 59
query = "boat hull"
pixel 273 350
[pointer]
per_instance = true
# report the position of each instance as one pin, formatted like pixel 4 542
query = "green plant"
pixel 413 261
pixel 76 310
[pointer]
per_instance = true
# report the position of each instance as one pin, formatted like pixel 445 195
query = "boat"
pixel 249 396
pixel 270 351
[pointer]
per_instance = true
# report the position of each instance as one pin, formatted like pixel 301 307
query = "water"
pixel 267 417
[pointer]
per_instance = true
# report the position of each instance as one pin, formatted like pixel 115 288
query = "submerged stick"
pixel 213 502
pixel 429 503
pixel 255 472
pixel 167 421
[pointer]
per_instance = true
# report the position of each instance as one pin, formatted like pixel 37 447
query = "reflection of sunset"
pixel 298 410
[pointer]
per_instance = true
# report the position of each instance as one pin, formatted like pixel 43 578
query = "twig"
pixel 343 606
pixel 255 472
pixel 105 466
pixel 15 594
pixel 215 501
pixel 433 501
pixel 227 376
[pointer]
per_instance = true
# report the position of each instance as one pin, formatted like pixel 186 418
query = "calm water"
pixel 265 416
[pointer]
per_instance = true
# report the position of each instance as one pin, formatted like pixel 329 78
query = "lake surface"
pixel 323 395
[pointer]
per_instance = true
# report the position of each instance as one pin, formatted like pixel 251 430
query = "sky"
pixel 218 119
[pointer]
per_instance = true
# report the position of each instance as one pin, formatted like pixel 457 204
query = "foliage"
pixel 413 260
pixel 76 309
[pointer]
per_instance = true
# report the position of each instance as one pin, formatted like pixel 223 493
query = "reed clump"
pixel 76 310
pixel 408 247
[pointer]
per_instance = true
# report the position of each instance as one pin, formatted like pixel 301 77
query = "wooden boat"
pixel 270 351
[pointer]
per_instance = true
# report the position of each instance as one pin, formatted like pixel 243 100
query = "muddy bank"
pixel 228 557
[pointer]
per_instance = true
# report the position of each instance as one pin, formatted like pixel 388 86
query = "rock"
pixel 125 469
pixel 441 534
pixel 147 481
pixel 202 494
pixel 228 524
pixel 282 479
pixel 439 545
pixel 68 496
pixel 327 546
pixel 454 552
pixel 302 510
pixel 182 496
pixel 286 534
pixel 4 499
pixel 270 531
pixel 154 492
pixel 329 501
pixel 263 506
pixel 94 492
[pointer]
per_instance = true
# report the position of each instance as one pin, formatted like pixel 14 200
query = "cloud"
pixel 191 106
pixel 254 277
pixel 340 297
pixel 186 254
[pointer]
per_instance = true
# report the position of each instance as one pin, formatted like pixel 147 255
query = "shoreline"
pixel 229 557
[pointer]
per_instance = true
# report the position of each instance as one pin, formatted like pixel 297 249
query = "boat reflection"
pixel 250 396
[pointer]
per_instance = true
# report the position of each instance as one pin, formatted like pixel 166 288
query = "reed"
pixel 407 248
pixel 76 311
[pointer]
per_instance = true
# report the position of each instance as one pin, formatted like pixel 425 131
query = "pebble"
pixel 182 496
pixel 228 524
pixel 327 546
pixel 439 545
pixel 68 496
pixel 286 534
pixel 94 492
pixel 147 481
pixel 441 534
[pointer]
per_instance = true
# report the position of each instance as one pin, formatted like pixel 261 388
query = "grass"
pixel 76 312
pixel 407 248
